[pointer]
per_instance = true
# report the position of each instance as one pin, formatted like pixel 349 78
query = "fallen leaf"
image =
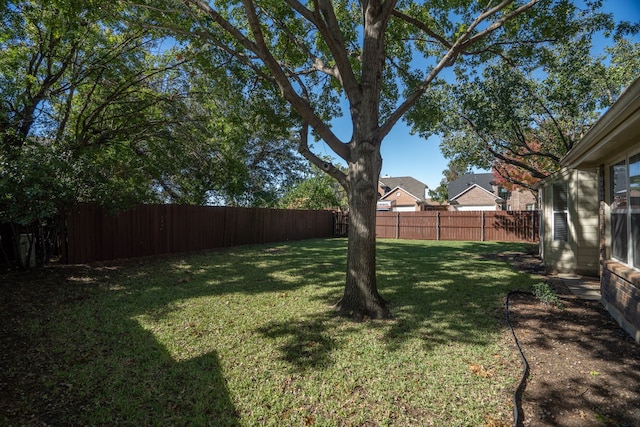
pixel 479 370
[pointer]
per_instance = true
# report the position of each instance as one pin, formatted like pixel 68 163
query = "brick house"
pixel 403 194
pixel 478 192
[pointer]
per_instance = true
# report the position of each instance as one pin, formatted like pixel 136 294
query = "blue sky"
pixel 404 154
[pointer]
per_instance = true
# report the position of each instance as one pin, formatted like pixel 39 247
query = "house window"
pixel 634 208
pixel 560 223
pixel 625 211
pixel 505 196
pixel 619 248
pixel 503 193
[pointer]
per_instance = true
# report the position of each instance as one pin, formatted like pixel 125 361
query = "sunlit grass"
pixel 249 337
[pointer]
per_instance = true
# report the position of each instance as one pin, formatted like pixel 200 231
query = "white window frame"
pixel 628 212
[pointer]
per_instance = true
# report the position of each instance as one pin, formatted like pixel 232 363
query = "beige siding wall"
pixel 585 230
pixel 558 256
pixel 579 254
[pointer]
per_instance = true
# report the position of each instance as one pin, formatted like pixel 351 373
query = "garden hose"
pixel 518 415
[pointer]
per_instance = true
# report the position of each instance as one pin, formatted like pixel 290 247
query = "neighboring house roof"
pixel 396 189
pixel 475 187
pixel 460 185
pixel 410 185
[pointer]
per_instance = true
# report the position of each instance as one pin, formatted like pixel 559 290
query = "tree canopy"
pixel 455 169
pixel 93 109
pixel 317 190
pixel 520 121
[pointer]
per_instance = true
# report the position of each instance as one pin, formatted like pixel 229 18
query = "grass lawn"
pixel 247 337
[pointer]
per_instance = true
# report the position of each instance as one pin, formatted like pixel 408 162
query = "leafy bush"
pixel 546 295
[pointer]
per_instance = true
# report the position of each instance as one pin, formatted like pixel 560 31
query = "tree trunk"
pixel 361 298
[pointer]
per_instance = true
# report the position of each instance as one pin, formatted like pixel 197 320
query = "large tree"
pixel 380 59
pixel 76 89
pixel 46 51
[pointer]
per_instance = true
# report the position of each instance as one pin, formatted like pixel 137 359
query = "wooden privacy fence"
pixel 93 235
pixel 509 226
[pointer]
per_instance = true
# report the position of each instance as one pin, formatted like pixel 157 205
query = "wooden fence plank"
pixel 386 225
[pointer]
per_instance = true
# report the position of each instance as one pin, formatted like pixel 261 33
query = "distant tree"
pixel 454 170
pixel 511 175
pixel 439 194
pixel 316 191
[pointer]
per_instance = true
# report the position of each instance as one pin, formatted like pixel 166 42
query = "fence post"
pixel 533 226
pixel 397 225
pixel 482 232
pixel 437 225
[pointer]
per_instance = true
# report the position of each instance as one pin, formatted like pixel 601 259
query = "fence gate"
pixel 340 224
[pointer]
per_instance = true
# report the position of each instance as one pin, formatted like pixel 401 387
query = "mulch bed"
pixel 584 369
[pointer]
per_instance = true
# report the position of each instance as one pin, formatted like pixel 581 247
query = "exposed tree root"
pixel 359 311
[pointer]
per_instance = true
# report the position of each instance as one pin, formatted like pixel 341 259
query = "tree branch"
pixel 318 63
pixel 326 166
pixel 327 23
pixel 301 105
pixel 422 26
pixel 497 24
pixel 280 77
pixel 509 178
pixel 463 42
pixel 496 154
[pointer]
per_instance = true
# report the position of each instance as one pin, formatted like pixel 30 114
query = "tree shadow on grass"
pixel 441 294
pixel 76 353
pixel 305 344
pixel 444 293
pixel 71 357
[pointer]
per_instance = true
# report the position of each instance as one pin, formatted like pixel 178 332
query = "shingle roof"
pixel 409 184
pixel 460 184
